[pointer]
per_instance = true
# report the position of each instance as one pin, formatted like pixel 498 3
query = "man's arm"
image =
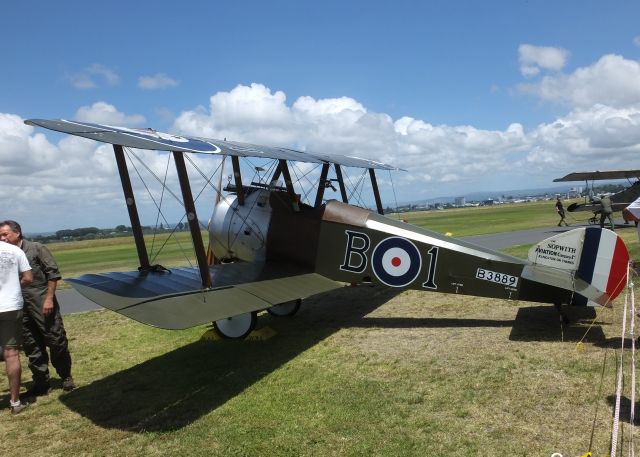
pixel 26 277
pixel 51 271
pixel 47 303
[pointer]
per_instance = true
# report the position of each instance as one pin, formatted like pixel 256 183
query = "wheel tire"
pixel 285 309
pixel 236 327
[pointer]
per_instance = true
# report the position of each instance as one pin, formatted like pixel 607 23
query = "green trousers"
pixel 40 332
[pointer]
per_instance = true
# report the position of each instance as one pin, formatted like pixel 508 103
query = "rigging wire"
pixel 395 199
pixel 310 183
pixel 353 188
pixel 208 182
pixel 245 220
pixel 144 183
pixel 165 187
pixel 360 189
pixel 166 172
pixel 152 173
pixel 271 171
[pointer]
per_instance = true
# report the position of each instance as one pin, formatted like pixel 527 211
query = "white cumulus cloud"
pixel 462 156
pixel 612 80
pixel 246 113
pixel 534 58
pixel 74 182
pixel 157 81
pixel 600 134
pixel 53 185
pixel 105 113
pixel 344 126
pixel 93 76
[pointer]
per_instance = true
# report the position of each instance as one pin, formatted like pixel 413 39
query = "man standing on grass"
pixel 15 273
pixel 606 211
pixel 42 324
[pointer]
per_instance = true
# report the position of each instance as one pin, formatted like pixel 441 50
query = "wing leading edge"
pixel 152 139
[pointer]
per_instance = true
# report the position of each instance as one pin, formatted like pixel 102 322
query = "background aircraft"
pixel 619 200
pixel 273 245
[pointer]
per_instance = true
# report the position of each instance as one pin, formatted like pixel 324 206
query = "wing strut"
pixel 276 176
pixel 238 179
pixel 343 190
pixel 136 227
pixel 284 169
pixel 192 217
pixel 376 192
pixel 322 184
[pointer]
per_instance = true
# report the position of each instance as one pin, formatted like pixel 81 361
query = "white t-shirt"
pixel 13 261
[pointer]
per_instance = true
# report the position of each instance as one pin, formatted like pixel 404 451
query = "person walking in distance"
pixel 42 323
pixel 560 211
pixel 606 211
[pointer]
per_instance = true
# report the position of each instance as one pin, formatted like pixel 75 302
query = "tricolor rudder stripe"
pixel 604 261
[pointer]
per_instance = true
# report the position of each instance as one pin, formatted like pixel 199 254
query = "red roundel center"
pixel 396 261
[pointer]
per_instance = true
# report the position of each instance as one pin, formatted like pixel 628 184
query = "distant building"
pixel 460 201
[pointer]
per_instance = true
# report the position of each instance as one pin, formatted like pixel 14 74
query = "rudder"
pixel 590 261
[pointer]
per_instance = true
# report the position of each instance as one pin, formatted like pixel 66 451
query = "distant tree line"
pixel 93 233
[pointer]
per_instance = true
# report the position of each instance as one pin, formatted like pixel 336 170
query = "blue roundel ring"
pixel 396 261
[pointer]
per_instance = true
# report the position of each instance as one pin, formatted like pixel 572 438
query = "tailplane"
pixel 590 261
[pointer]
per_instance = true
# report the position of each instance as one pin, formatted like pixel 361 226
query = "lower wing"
pixel 174 299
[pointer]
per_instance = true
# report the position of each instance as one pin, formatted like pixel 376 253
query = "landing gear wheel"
pixel 285 309
pixel 236 327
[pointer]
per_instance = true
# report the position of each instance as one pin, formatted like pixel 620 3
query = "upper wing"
pixel 599 175
pixel 174 299
pixel 152 139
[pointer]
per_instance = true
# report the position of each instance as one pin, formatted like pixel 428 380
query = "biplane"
pixel 619 200
pixel 271 249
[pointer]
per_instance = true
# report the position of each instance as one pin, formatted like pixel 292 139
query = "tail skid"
pixel 590 261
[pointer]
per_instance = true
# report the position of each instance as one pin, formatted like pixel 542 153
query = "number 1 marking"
pixel 433 256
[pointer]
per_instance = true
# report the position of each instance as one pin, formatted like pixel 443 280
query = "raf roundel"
pixel 396 261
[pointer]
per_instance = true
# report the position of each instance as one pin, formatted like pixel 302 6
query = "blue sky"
pixel 467 96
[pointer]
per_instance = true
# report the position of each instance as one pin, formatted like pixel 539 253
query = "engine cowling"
pixel 240 231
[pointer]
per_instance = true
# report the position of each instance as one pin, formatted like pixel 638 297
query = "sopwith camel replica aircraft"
pixel 270 249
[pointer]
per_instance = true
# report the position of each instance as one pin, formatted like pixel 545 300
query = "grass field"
pixel 358 372
pixel 493 219
pixel 119 254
